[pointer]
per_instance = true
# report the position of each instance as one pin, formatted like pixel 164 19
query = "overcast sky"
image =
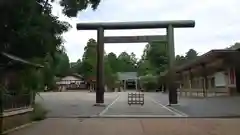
pixel 217 24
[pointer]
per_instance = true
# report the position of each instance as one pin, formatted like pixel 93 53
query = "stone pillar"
pixel 100 66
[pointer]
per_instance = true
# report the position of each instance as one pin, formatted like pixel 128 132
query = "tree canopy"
pixel 191 54
pixel 33 33
pixel 153 61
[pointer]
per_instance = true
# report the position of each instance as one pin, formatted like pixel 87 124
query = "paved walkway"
pixel 225 106
pixel 121 126
pixel 120 108
pixel 68 106
pixel 80 104
pixel 73 104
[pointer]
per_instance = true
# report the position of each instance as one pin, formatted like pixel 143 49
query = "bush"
pixel 39 113
pixel 149 83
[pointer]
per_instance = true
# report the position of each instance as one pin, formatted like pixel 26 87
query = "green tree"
pixel 191 54
pixel 113 62
pixel 149 82
pixel 61 65
pixel 76 67
pixel 25 28
pixel 154 59
pixel 180 60
pixel 126 63
pixel 89 59
pixel 72 7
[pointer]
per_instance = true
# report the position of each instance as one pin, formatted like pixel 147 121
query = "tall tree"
pixel 25 27
pixel 191 54
pixel 158 56
pixel 113 62
pixel 89 59
pixel 71 7
pixel 61 65
pixel 126 63
pixel 180 59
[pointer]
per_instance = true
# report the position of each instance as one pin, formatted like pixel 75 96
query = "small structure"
pixel 71 82
pixel 91 81
pixel 129 80
pixel 136 98
pixel 16 105
pixel 215 72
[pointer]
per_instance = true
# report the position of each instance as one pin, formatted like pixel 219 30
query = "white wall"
pixel 219 79
pixel 70 78
pixel 73 79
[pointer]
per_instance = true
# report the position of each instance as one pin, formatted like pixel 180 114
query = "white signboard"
pixel 219 79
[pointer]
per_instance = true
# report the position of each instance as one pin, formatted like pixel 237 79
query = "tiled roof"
pixel 127 75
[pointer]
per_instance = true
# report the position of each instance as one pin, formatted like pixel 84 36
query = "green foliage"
pixel 154 59
pixel 89 59
pixel 71 7
pixel 190 55
pixel 149 83
pixel 39 113
pixel 180 60
pixel 113 62
pixel 61 64
pixel 126 62
pixel 25 28
pixel 33 33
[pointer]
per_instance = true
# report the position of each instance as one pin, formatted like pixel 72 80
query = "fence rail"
pixel 136 98
pixel 12 102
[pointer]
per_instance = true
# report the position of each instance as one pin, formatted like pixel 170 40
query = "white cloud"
pixel 217 23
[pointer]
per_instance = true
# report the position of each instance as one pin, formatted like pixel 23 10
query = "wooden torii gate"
pixel 169 38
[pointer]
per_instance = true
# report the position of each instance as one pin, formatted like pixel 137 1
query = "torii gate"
pixel 169 38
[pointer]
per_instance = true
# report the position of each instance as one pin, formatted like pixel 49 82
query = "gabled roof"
pixel 127 75
pixel 73 74
pixel 77 75
pixel 205 58
pixel 18 59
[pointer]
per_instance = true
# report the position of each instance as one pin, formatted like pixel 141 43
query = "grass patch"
pixel 39 113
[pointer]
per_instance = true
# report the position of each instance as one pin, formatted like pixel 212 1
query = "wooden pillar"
pixel 205 83
pixel 100 66
pixel 181 82
pixel 136 84
pixel 227 82
pixel 171 51
pixel 190 81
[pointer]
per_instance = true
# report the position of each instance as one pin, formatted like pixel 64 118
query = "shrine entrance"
pixel 168 38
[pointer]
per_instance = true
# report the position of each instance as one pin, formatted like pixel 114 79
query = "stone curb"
pixel 19 127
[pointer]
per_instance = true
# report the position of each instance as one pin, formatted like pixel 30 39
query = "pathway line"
pixel 171 109
pixel 106 109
